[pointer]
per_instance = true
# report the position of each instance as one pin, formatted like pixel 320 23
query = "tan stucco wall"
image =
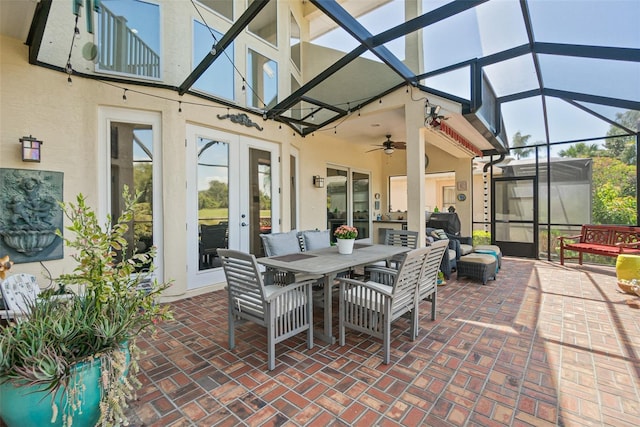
pixel 38 101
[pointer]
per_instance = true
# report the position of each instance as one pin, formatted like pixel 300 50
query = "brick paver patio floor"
pixel 542 345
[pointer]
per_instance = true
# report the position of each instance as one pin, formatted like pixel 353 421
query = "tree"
pixel 623 147
pixel 581 150
pixel 614 191
pixel 520 141
pixel 216 196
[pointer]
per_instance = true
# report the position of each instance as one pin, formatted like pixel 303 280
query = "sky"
pixel 498 25
pixel 489 28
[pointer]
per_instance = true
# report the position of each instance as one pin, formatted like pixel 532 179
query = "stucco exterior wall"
pixel 38 101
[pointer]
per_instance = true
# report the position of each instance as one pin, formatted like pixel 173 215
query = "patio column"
pixel 414 117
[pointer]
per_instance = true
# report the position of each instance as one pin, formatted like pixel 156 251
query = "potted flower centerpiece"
pixel 73 361
pixel 345 237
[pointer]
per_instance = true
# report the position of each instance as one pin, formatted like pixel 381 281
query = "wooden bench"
pixel 607 240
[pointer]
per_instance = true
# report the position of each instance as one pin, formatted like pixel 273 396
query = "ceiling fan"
pixel 390 146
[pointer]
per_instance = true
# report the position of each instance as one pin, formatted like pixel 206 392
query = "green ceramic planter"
pixel 29 406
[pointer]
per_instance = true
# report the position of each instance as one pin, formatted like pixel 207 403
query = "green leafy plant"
pixel 98 325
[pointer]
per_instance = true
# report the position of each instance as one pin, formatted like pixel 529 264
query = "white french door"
pixel 130 155
pixel 232 196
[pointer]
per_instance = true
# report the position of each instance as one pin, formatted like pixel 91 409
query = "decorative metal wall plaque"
pixel 30 215
pixel 241 119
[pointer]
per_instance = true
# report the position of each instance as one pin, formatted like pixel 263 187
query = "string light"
pixel 69 68
pixel 265 113
pixel 213 51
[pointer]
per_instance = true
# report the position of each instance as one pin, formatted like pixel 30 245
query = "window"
pixel 262 76
pixel 218 79
pixel 294 43
pixel 265 25
pixel 439 192
pixel 448 197
pixel 129 38
pixel 224 8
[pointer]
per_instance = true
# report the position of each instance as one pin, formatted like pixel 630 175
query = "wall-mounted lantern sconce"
pixel 318 181
pixel 30 149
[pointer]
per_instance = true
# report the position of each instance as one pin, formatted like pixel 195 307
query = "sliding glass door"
pixel 348 200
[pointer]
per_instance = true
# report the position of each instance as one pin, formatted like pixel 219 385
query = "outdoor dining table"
pixel 327 263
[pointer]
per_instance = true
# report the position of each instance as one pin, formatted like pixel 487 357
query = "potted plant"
pixel 345 236
pixel 77 357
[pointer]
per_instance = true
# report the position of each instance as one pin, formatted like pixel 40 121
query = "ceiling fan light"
pixel 388 151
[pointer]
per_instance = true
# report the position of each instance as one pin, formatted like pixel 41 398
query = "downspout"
pixel 486 186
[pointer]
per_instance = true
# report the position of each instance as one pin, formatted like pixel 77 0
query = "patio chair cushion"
pixel 316 239
pixel 490 249
pixel 439 234
pixel 465 249
pixel 477 266
pixel 281 243
pixel 295 300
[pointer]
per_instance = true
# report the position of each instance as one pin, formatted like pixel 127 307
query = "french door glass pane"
pixel 132 166
pixel 213 200
pixel 260 202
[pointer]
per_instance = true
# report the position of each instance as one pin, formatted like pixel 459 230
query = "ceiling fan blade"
pixel 375 149
pixel 400 145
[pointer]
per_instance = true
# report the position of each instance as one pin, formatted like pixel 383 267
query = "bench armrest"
pixel 562 238
pixel 634 245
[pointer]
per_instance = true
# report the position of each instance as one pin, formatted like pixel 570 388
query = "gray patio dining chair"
pixel 212 238
pixel 406 238
pixel 393 237
pixel 284 310
pixel 428 288
pixel 279 244
pixel 371 307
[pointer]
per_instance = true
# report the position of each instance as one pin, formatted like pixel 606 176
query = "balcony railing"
pixel 122 51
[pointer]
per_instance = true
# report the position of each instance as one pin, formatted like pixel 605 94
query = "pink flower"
pixel 346 232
